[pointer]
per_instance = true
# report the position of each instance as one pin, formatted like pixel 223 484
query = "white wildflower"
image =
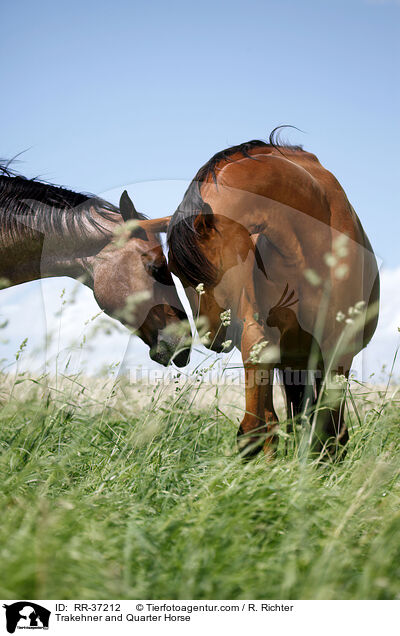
pixel 226 344
pixel 123 232
pixel 341 271
pixel 340 246
pixel 330 259
pixel 312 277
pixel 349 321
pixel 205 339
pixel 340 241
pixel 342 252
pixel 200 289
pixel 133 303
pixel 225 317
pixel 357 309
pixel 340 379
pixel 340 316
pixel 256 350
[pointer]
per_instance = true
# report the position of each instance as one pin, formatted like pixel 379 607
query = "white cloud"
pixel 382 347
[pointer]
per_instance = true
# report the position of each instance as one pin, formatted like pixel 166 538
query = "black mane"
pixel 57 208
pixel 243 149
pixel 183 238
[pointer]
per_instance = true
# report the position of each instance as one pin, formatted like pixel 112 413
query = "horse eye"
pixel 160 273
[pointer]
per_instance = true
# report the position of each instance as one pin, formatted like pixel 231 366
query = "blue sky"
pixel 108 93
pixel 105 94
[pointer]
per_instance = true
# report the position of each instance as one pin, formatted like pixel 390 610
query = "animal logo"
pixel 280 313
pixel 26 615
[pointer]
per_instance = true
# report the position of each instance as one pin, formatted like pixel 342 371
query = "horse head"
pixel 213 256
pixel 132 283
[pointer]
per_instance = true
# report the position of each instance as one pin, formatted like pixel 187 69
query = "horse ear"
pixel 205 220
pixel 126 207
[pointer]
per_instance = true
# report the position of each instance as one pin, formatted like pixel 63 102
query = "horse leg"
pixel 294 402
pixel 299 398
pixel 330 430
pixel 302 388
pixel 330 433
pixel 271 419
pixel 256 430
pixel 253 429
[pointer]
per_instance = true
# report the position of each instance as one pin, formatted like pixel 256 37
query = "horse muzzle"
pixel 169 350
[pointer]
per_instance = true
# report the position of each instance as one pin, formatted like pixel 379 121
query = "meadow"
pixel 116 491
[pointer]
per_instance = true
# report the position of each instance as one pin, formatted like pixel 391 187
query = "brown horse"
pixel 260 222
pixel 50 231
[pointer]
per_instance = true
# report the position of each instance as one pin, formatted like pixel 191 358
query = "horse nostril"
pixel 181 359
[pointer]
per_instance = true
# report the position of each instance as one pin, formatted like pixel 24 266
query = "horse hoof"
pixel 249 445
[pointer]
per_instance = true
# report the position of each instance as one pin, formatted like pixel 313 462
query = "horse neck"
pixel 33 255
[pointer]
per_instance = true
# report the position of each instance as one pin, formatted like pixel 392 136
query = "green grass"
pixel 104 496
